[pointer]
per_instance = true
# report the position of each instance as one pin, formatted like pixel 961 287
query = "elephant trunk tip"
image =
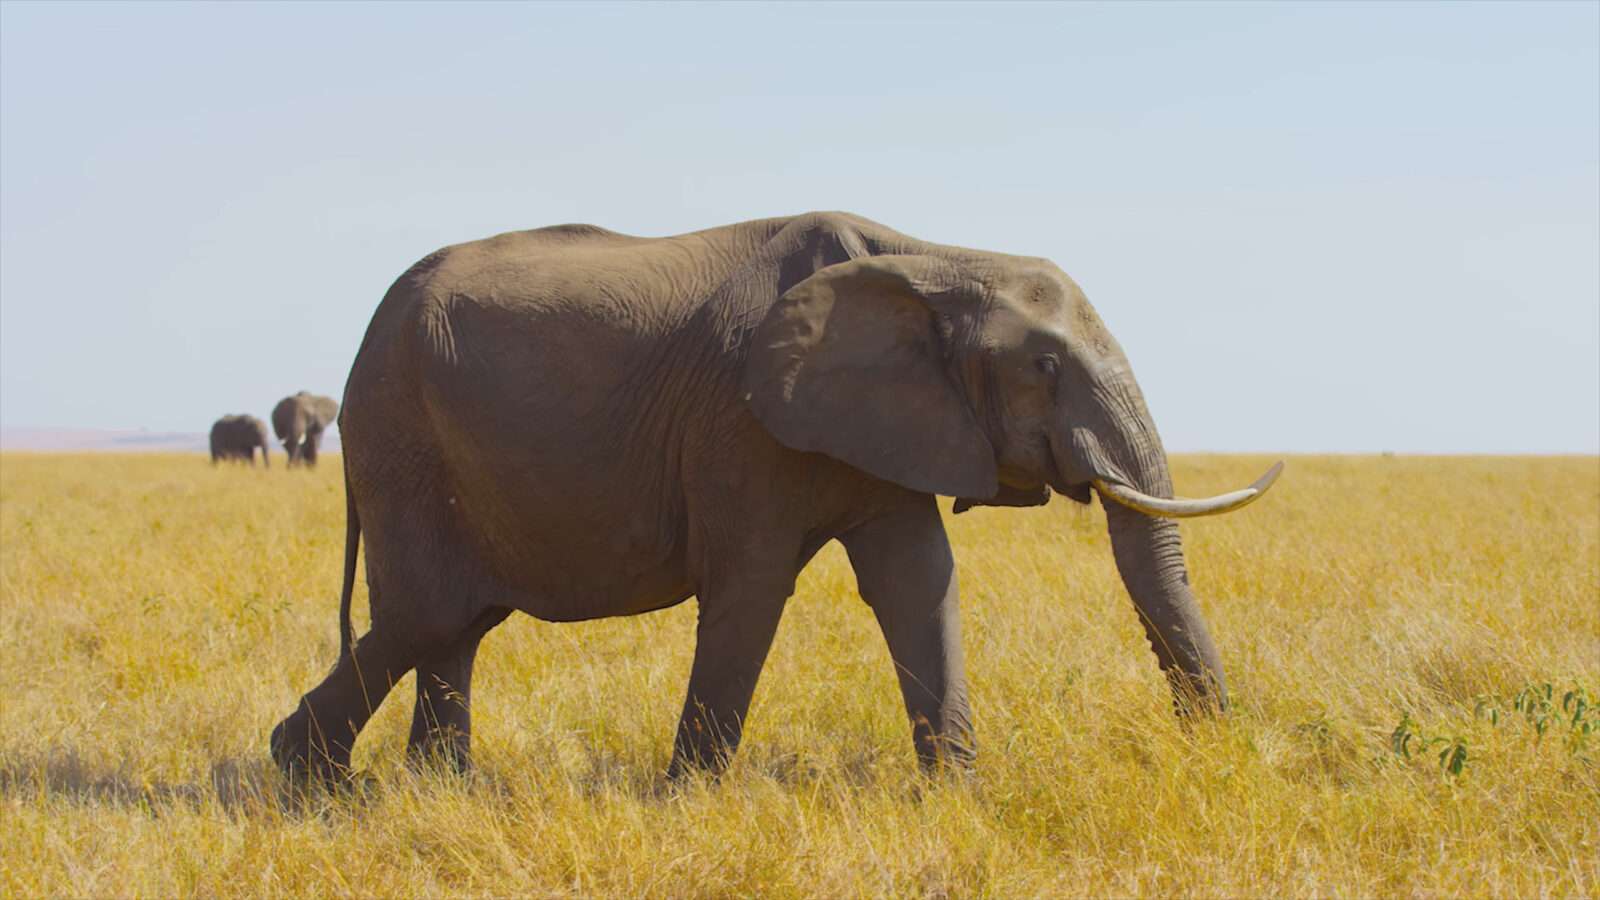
pixel 1197 694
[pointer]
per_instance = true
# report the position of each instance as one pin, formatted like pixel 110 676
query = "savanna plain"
pixel 1413 648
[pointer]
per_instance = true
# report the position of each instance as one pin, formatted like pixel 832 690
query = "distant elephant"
pixel 299 421
pixel 577 424
pixel 237 437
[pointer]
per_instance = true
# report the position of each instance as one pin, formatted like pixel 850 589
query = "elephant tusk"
pixel 1180 508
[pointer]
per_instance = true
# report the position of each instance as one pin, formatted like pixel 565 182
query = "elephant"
pixel 299 421
pixel 576 423
pixel 237 437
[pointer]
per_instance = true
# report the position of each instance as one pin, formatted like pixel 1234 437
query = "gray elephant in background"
pixel 575 424
pixel 237 437
pixel 299 421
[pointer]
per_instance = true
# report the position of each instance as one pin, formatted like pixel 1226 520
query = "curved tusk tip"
pixel 1265 481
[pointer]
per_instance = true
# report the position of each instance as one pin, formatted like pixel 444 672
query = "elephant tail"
pixel 352 543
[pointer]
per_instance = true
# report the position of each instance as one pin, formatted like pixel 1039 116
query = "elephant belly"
pixel 646 592
pixel 573 568
pixel 495 537
pixel 568 538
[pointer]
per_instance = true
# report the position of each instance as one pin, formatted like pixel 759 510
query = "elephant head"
pixel 991 379
pixel 299 421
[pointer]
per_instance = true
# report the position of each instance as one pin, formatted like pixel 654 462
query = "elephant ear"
pixel 851 362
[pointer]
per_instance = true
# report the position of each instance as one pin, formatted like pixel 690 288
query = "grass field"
pixel 1390 627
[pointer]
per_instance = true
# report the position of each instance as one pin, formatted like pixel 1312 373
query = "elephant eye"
pixel 1050 366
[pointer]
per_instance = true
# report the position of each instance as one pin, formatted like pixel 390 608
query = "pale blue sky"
pixel 1343 227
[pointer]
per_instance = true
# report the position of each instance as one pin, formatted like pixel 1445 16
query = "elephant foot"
pixel 680 773
pixel 679 770
pixel 953 764
pixel 710 760
pixel 306 756
pixel 947 753
pixel 448 749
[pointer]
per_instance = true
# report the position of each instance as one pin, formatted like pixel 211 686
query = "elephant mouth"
pixel 1078 492
pixel 1028 489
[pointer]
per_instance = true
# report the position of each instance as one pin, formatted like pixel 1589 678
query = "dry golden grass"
pixel 158 616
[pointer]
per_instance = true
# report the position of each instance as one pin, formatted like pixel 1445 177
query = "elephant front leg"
pixel 737 624
pixel 906 573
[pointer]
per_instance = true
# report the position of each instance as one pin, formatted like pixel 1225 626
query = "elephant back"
pixel 234 425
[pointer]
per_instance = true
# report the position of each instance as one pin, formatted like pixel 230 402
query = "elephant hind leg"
pixel 441 722
pixel 316 739
pixel 430 604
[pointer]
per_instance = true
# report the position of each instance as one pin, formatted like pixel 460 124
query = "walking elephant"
pixel 299 421
pixel 237 437
pixel 575 423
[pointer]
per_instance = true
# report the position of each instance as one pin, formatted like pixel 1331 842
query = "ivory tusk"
pixel 1180 508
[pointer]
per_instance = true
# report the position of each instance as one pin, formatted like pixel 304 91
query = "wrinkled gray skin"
pixel 237 437
pixel 576 423
pixel 299 421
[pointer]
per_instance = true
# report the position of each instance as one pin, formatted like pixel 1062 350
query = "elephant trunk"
pixel 1122 447
pixel 1149 558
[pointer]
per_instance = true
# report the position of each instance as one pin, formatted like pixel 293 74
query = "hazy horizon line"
pixel 10 434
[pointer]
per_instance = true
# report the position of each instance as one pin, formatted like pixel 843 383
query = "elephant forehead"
pixel 1073 330
pixel 1050 297
pixel 1038 307
pixel 1035 287
pixel 1008 327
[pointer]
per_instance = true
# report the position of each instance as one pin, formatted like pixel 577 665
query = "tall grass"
pixel 1389 626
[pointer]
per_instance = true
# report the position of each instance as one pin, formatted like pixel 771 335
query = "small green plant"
pixel 1453 758
pixel 1486 709
pixel 1407 741
pixel 1577 710
pixel 1534 702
